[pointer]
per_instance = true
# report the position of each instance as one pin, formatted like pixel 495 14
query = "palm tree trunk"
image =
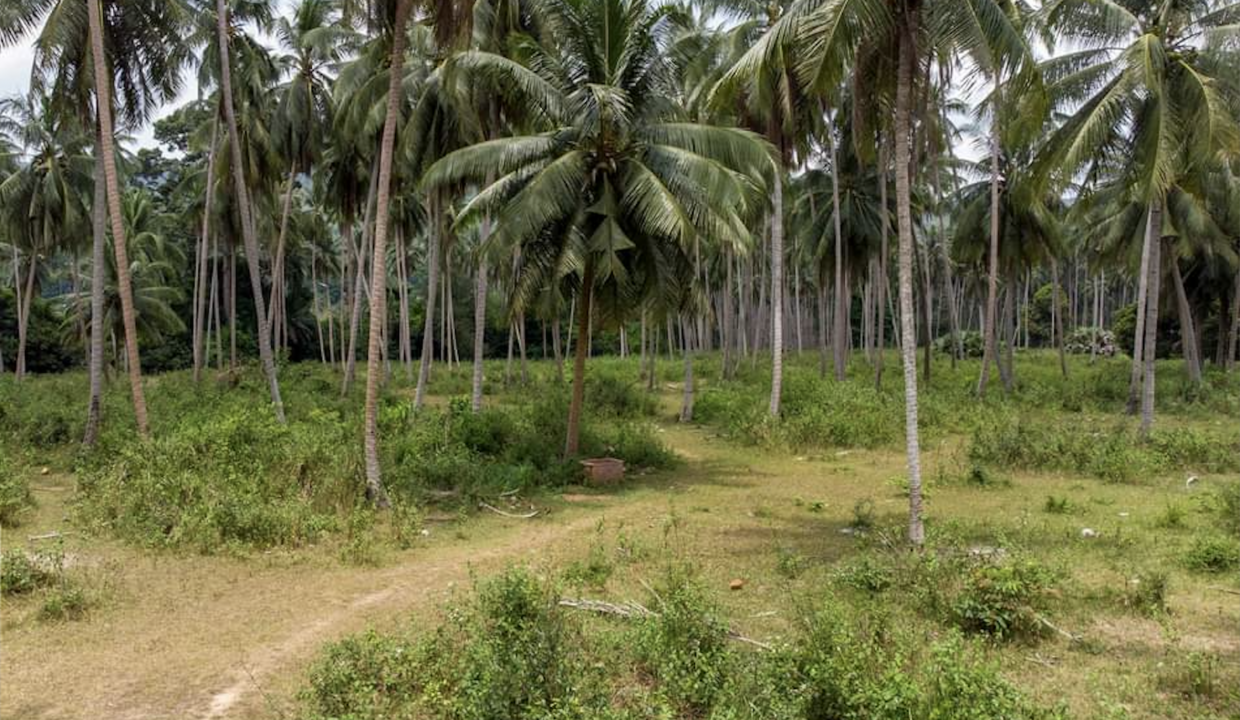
pixel 1150 349
pixel 686 401
pixel 1188 332
pixel 480 320
pixel 247 221
pixel 314 287
pixel 928 309
pixel 98 271
pixel 375 353
pixel 359 278
pixel 992 275
pixel 881 285
pixel 1234 333
pixel 1057 319
pixel 573 434
pixel 904 223
pixel 200 297
pixel 432 288
pixel 103 104
pixel 277 270
pixel 777 296
pixel 1153 232
pixel 842 296
pixel 728 329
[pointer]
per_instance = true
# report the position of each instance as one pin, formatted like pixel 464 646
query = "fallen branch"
pixel 630 609
pixel 55 534
pixel 1223 589
pixel 1047 623
pixel 1035 658
pixel 516 516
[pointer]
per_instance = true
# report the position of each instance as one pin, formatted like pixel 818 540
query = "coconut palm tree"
pixel 375 349
pixel 1149 107
pixel 242 199
pixel 839 38
pixel 607 200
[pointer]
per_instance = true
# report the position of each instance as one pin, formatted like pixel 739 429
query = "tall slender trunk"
pixel 19 362
pixel 842 296
pixel 1188 331
pixel 572 436
pixel 904 223
pixel 266 356
pixel 1057 319
pixel 98 270
pixel 432 288
pixel 480 317
pixel 375 353
pixel 928 309
pixel 777 294
pixel 277 269
pixel 881 284
pixel 1234 333
pixel 1153 233
pixel 314 288
pixel 686 400
pixel 1150 349
pixel 728 329
pixel 200 297
pixel 992 274
pixel 103 104
pixel 359 278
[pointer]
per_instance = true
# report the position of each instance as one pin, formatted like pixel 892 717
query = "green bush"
pixel 970 343
pixel 1146 592
pixel 1213 554
pixel 370 675
pixel 686 646
pixel 1116 455
pixel 1003 601
pixel 21 573
pixel 1227 505
pixel 234 478
pixel 15 497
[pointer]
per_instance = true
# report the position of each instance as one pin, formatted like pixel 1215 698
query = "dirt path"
pixel 212 637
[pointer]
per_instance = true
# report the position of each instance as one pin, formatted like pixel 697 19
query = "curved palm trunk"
pixel 1153 230
pixel 1150 349
pixel 904 224
pixel 1188 331
pixel 378 274
pixel 247 219
pixel 992 273
pixel 94 407
pixel 200 295
pixel 277 270
pixel 579 363
pixel 777 298
pixel 103 104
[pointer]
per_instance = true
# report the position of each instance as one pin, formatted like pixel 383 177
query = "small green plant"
pixel 594 570
pixel 866 574
pixel 1003 601
pixel 981 476
pixel 65 601
pixel 1146 592
pixel 1173 517
pixel 863 514
pixel 1213 554
pixel 790 563
pixel 1194 675
pixel 1057 505
pixel 360 546
pixel 1227 504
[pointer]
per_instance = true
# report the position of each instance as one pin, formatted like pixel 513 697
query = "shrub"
pixel 685 646
pixel 970 343
pixel 866 574
pixel 1227 504
pixel 1057 505
pixel 21 573
pixel 1146 592
pixel 789 563
pixel 1086 340
pixel 236 478
pixel 1172 517
pixel 15 497
pixel 1194 676
pixel 1213 554
pixel 363 676
pixel 1003 601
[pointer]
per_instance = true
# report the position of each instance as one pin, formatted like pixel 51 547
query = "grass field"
pixel 1092 574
